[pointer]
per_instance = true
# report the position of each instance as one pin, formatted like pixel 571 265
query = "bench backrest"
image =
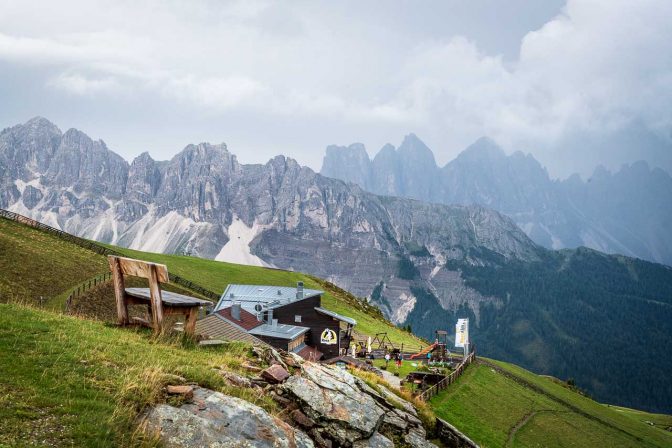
pixel 139 268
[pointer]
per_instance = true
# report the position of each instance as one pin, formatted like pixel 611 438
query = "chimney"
pixel 269 318
pixel 235 311
pixel 299 290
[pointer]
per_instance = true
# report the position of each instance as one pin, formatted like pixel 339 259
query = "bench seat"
pixel 172 299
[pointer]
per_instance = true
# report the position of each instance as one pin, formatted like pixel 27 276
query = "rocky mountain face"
pixel 422 263
pixel 286 215
pixel 626 212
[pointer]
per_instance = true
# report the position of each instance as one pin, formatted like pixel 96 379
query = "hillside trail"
pixel 523 422
pixel 394 380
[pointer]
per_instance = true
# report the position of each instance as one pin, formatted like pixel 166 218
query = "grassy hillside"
pixel 35 264
pixel 73 382
pixel 501 404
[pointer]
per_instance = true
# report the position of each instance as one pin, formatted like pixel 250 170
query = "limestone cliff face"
pixel 297 219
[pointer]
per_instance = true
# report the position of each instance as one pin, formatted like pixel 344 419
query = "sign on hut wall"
pixel 328 337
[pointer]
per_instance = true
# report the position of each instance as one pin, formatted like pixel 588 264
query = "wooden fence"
pixel 87 285
pixel 100 249
pixel 448 380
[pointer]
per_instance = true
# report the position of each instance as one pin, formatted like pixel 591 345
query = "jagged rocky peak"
pixel 144 178
pixel 418 180
pixel 349 163
pixel 482 150
pixel 26 149
pixel 87 166
pixel 414 147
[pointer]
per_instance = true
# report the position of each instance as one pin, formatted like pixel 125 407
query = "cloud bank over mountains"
pixel 588 82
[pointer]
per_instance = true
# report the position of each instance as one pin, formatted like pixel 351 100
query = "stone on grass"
pixel 186 391
pixel 225 421
pixel 275 374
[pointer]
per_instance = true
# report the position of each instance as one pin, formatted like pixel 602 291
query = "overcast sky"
pixel 576 83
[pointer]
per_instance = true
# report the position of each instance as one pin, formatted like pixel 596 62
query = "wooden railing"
pixel 100 249
pixel 448 380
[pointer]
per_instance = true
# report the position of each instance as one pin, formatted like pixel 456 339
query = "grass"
pixel 35 264
pixel 70 381
pixel 406 366
pixel 630 421
pixel 495 410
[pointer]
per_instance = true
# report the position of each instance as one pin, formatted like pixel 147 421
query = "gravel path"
pixel 394 380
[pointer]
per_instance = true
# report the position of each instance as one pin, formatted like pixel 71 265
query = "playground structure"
pixel 378 346
pixel 439 348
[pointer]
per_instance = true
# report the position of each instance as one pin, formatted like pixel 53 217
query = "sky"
pixel 576 83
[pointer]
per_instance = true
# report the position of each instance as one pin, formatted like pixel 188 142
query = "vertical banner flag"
pixel 461 332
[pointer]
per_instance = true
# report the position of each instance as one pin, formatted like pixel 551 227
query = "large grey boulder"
pixel 331 396
pixel 217 420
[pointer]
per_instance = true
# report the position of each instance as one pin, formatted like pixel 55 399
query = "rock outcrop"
pixel 217 420
pixel 326 406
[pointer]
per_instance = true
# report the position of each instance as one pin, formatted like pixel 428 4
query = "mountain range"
pixel 628 212
pixel 573 313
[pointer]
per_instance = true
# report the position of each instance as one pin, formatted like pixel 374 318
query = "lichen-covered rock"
pixel 377 440
pixel 416 440
pixel 218 420
pixel 398 401
pixel 331 396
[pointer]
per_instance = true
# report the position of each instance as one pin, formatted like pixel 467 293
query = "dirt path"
pixel 394 380
pixel 522 422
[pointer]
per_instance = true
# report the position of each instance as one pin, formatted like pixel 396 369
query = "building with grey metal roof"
pixel 249 296
pixel 287 318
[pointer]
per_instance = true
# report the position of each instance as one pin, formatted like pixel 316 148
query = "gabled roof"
pixel 247 320
pixel 336 316
pixel 215 326
pixel 268 296
pixel 280 331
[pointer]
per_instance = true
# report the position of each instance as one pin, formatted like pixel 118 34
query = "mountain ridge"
pixel 635 203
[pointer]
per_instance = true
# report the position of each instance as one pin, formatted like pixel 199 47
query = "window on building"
pixel 297 318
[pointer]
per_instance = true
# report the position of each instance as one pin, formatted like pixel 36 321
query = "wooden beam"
pixel 139 268
pixel 119 292
pixel 190 322
pixel 155 296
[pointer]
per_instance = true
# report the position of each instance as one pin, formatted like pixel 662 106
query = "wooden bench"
pixel 159 303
